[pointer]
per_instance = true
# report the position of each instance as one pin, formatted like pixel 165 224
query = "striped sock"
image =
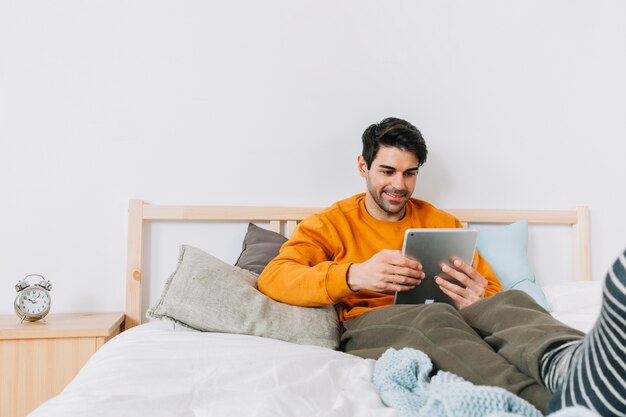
pixel 555 363
pixel 592 372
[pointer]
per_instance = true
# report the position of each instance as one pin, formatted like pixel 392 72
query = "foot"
pixel 593 371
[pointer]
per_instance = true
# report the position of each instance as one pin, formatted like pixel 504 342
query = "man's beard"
pixel 384 206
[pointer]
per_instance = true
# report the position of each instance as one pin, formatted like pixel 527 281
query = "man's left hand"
pixel 475 284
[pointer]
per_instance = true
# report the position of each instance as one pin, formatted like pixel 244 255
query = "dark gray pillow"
pixel 260 246
pixel 207 294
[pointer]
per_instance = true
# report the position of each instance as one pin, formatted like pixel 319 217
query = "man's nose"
pixel 398 182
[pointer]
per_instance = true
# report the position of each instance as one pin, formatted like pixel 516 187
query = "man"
pixel 347 255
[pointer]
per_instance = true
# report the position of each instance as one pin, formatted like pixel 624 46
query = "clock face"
pixel 34 302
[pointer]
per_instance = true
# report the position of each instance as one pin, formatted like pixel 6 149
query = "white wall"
pixel 522 103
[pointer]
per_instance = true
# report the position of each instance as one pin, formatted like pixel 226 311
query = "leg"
pixel 439 331
pixel 518 329
pixel 592 373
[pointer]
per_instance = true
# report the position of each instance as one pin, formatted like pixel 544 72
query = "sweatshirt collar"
pixel 383 223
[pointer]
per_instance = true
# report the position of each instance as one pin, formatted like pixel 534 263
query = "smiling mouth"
pixel 395 197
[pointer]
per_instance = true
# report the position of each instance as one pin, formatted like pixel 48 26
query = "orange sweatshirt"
pixel 312 265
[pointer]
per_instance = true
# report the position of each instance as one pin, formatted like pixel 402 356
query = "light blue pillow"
pixel 506 250
pixel 534 291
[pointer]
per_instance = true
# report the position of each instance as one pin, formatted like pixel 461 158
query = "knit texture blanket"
pixel 403 380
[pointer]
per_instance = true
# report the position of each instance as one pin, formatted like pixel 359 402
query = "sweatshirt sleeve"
pixel 303 273
pixel 493 286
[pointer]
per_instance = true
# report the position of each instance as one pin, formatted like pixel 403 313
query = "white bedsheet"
pixel 154 370
pixel 576 304
pixel 157 369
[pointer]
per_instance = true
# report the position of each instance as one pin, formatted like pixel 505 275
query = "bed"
pixel 252 365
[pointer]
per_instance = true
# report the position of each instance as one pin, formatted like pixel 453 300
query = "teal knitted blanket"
pixel 403 380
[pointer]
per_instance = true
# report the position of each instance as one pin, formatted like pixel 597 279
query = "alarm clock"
pixel 33 300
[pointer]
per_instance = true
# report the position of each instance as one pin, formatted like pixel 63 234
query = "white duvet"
pixel 157 369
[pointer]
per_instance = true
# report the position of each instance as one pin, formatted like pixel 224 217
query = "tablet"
pixel 433 247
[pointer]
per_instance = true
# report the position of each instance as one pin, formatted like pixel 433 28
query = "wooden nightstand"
pixel 37 360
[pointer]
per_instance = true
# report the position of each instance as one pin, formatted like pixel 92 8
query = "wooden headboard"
pixel 284 220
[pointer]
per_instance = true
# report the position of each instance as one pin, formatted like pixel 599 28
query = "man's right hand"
pixel 388 270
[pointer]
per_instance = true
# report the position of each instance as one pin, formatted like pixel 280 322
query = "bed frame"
pixel 284 220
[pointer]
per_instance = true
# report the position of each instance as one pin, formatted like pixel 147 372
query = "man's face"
pixel 390 182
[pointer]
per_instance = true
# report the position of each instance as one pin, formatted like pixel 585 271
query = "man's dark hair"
pixel 396 133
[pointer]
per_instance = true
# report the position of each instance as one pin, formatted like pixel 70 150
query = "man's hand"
pixel 475 284
pixel 388 270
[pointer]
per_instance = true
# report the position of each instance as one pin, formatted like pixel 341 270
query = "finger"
pixel 402 280
pixel 469 294
pixel 468 269
pixel 471 287
pixel 393 282
pixel 471 272
pixel 458 301
pixel 400 288
pixel 449 286
pixel 393 286
pixel 405 272
pixel 400 260
pixel 457 275
pixel 467 275
pixel 454 296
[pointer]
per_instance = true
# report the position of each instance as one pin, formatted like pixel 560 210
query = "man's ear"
pixel 362 165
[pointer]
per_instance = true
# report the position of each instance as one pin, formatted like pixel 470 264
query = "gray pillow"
pixel 207 294
pixel 260 246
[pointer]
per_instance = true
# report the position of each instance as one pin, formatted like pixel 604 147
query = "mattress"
pixel 159 369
